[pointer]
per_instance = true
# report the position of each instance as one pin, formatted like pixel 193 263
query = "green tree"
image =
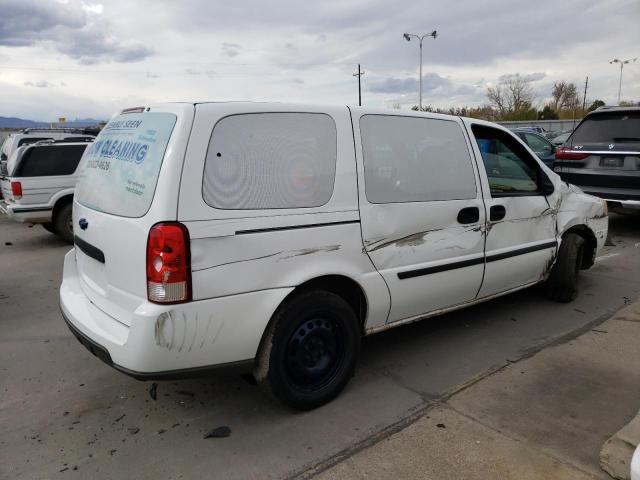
pixel 427 108
pixel 547 113
pixel 596 104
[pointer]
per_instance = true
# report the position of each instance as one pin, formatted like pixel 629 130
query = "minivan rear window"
pixel 609 127
pixel 119 171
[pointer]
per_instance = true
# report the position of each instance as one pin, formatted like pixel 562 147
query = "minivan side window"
pixel 271 161
pixel 415 159
pixel 510 168
pixel 49 161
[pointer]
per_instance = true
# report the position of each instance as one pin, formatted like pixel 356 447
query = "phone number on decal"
pixel 101 164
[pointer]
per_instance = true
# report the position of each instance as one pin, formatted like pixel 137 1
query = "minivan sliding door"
pixel 422 212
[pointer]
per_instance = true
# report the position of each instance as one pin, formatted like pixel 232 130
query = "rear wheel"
pixel 309 351
pixel 562 284
pixel 63 222
pixel 49 227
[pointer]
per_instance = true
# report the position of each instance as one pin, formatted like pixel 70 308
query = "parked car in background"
pixel 41 182
pixel 271 237
pixel 602 156
pixel 542 147
pixel 33 135
pixel 531 128
pixel 562 137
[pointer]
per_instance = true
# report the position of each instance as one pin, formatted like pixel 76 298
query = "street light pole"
pixel 622 64
pixel 407 37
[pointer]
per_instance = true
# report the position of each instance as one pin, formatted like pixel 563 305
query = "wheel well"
pixel 589 247
pixel 346 288
pixel 62 201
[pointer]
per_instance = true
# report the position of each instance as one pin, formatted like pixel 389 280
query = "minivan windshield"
pixel 119 171
pixel 609 127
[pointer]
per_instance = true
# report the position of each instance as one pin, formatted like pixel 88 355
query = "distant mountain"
pixel 13 122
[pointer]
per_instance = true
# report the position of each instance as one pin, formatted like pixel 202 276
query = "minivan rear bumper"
pixel 243 366
pixel 173 341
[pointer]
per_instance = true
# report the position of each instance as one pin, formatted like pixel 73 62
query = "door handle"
pixel 469 215
pixel 497 212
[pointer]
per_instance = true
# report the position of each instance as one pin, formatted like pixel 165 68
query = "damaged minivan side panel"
pixel 267 241
pixel 521 227
pixel 422 219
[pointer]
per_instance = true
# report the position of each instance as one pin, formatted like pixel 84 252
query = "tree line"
pixel 513 98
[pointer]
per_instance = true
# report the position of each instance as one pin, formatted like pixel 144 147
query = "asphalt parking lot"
pixel 65 414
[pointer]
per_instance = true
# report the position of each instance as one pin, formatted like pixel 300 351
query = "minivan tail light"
pixel 168 263
pixel 16 190
pixel 565 153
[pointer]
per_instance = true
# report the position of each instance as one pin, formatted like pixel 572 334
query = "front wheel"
pixel 309 351
pixel 562 284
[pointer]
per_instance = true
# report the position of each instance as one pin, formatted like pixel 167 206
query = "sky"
pixel 85 58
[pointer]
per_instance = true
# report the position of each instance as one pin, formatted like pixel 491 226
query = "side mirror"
pixel 546 187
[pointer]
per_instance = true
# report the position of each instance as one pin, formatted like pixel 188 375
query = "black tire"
pixel 49 227
pixel 63 223
pixel 309 351
pixel 562 284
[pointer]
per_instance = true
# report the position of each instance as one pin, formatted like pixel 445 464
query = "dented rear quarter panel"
pixel 239 251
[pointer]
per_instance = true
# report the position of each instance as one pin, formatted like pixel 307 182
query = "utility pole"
pixel 584 99
pixel 359 75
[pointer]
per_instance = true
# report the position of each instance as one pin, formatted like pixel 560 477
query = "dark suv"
pixel 602 156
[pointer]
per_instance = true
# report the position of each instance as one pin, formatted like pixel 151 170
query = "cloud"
pixel 40 84
pixel 194 72
pixel 530 77
pixel 430 81
pixel 195 47
pixel 231 49
pixel 73 28
pixel 96 8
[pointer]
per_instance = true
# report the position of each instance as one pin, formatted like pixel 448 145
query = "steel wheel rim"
pixel 314 353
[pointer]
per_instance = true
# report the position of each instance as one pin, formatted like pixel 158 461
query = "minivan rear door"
pixel 128 181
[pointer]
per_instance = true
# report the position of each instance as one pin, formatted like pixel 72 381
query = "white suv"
pixel 272 236
pixel 33 135
pixel 39 187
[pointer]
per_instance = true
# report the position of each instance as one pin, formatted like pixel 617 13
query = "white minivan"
pixel 272 237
